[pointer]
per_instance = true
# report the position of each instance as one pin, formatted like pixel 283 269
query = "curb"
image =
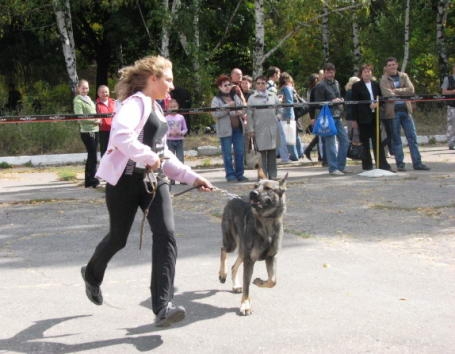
pixel 79 158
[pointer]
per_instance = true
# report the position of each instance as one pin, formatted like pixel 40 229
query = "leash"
pixel 152 183
pixel 215 189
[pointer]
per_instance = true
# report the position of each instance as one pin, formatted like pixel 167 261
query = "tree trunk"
pixel 441 46
pixel 62 12
pixel 258 53
pixel 325 32
pixel 196 57
pixel 356 43
pixel 165 33
pixel 168 22
pixel 406 36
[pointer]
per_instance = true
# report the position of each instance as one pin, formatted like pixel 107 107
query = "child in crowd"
pixel 176 130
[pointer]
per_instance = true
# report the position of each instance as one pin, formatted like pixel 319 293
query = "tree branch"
pixel 226 30
pixel 300 25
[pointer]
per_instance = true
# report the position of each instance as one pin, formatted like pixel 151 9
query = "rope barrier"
pixel 75 117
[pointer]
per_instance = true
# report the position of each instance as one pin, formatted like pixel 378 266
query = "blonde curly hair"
pixel 133 78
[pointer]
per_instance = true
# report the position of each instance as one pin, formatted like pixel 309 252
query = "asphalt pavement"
pixel 367 266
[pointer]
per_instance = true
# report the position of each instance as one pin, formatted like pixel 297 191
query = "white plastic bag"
pixel 289 129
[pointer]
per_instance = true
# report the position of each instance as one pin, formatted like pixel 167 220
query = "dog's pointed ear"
pixel 261 174
pixel 283 181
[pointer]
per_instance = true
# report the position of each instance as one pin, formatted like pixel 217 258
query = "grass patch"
pixel 5 165
pixel 298 233
pixel 206 163
pixel 67 174
pixel 428 211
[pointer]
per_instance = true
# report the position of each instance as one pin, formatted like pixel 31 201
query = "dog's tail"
pixel 261 174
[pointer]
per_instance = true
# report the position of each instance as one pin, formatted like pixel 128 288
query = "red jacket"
pixel 102 108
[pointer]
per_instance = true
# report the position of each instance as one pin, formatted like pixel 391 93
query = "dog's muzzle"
pixel 258 201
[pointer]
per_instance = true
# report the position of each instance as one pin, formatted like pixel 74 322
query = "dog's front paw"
pixel 245 307
pixel 222 277
pixel 264 284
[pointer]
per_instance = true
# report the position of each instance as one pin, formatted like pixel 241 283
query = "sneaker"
pixel 422 167
pixel 401 168
pixel 93 292
pixel 243 179
pixel 169 315
pixel 347 172
pixel 336 173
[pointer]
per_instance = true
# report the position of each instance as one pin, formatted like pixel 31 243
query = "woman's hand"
pixel 155 166
pixel 203 184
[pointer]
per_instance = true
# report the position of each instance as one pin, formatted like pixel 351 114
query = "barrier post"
pixel 378 135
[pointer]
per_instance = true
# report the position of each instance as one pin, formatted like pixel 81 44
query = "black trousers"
pixel 104 140
pixel 367 132
pixel 122 202
pixel 90 141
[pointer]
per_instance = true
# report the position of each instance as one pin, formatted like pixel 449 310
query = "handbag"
pixel 325 125
pixel 303 107
pixel 252 156
pixel 356 151
pixel 290 133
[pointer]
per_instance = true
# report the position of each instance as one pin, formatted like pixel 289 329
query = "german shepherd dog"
pixel 254 225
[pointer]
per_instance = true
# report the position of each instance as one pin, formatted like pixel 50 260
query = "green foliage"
pixel 40 138
pixel 5 165
pixel 111 33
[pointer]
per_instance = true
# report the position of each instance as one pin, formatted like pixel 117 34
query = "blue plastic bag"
pixel 325 125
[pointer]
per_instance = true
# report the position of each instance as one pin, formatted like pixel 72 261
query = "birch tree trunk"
pixel 258 52
pixel 356 43
pixel 168 22
pixel 325 32
pixel 197 43
pixel 62 12
pixel 441 18
pixel 165 33
pixel 406 36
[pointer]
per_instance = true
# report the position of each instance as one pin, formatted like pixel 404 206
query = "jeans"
pixel 295 151
pixel 282 149
pixel 176 146
pixel 403 119
pixel 388 126
pixel 235 141
pixel 337 160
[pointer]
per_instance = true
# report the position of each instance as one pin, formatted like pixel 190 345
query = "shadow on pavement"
pixel 33 340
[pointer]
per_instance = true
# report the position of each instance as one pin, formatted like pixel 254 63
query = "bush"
pixel 40 138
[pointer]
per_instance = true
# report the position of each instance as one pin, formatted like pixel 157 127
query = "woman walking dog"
pixel 137 147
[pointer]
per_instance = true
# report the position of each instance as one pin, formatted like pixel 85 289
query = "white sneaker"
pixel 336 173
